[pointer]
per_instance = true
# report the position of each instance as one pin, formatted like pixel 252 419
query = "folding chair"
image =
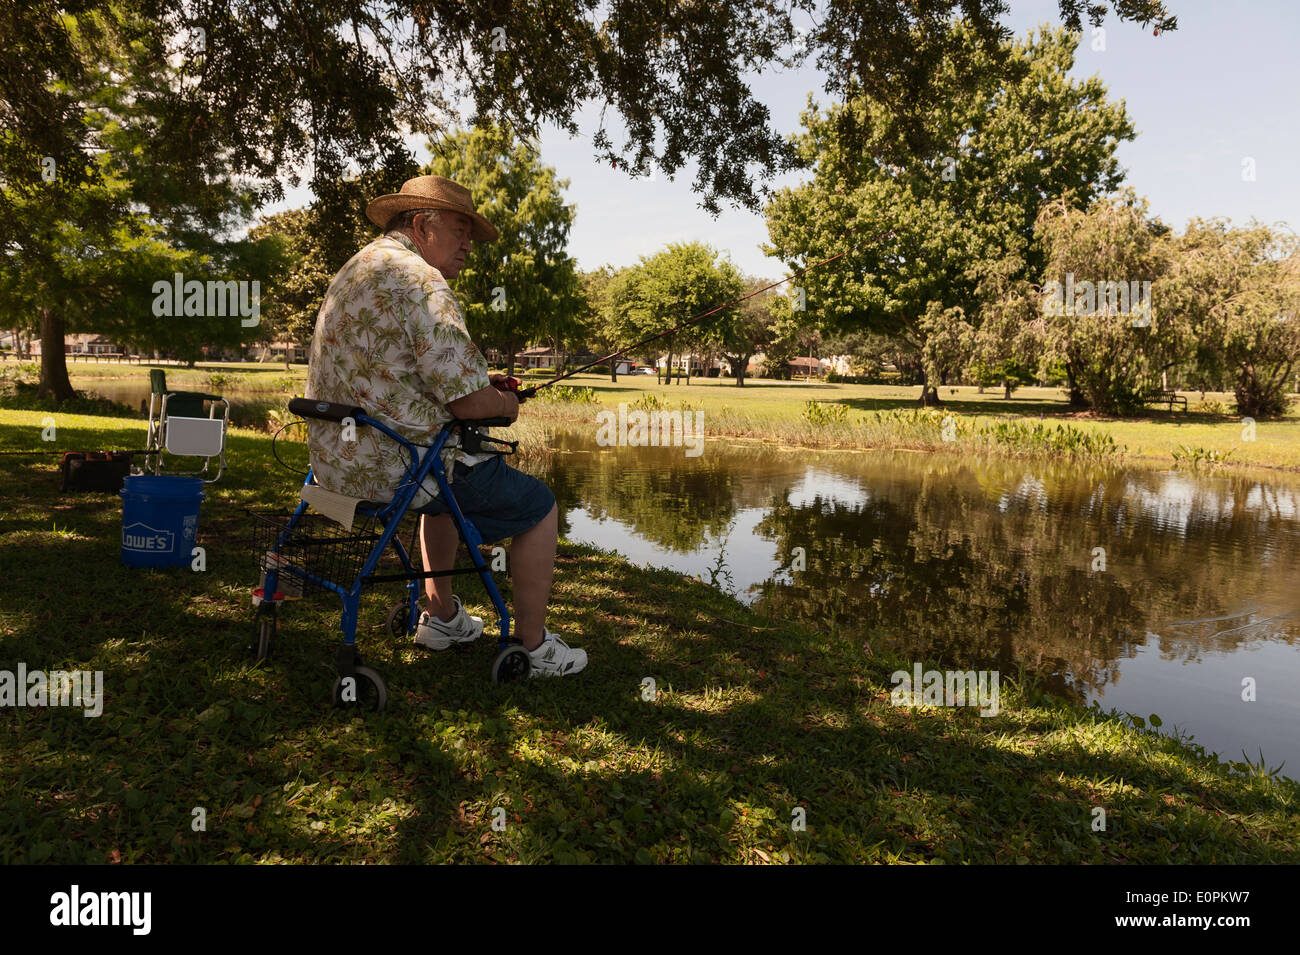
pixel 180 425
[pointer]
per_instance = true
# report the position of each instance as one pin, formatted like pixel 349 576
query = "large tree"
pixel 593 328
pixel 750 327
pixel 668 289
pixel 1238 292
pixel 936 231
pixel 522 288
pixel 81 247
pixel 1103 315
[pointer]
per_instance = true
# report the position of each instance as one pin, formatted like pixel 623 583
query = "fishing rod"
pixel 145 451
pixel 523 394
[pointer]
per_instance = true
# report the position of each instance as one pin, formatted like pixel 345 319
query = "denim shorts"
pixel 498 500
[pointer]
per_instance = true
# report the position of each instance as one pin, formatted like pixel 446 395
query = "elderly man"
pixel 391 338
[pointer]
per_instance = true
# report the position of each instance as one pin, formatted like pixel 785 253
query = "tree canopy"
pixel 267 87
pixel 668 289
pixel 938 233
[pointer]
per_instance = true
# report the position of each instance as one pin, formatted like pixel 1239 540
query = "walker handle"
pixel 324 410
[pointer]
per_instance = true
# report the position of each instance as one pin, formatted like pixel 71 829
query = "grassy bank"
pixel 751 719
pixel 1034 421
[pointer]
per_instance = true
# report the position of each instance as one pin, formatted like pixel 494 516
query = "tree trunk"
pixel 1006 390
pixel 54 363
pixel 1077 397
pixel 929 397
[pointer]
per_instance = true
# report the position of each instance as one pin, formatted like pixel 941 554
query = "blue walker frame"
pixel 390 516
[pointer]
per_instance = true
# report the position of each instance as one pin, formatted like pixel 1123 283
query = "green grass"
pixel 775 411
pixel 887 416
pixel 752 719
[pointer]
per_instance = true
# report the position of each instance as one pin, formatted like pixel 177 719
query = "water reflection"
pixel 248 409
pixel 1119 584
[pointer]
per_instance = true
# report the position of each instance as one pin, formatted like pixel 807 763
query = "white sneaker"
pixel 439 635
pixel 555 657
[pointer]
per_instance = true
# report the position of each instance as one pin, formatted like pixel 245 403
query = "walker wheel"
pixel 512 665
pixel 397 619
pixel 364 692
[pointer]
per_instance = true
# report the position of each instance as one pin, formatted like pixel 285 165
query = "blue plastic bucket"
pixel 160 520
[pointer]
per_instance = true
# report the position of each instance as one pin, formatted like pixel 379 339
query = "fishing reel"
pixel 512 384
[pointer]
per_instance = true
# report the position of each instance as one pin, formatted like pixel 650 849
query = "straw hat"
pixel 430 192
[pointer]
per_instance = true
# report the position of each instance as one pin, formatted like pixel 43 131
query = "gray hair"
pixel 404 220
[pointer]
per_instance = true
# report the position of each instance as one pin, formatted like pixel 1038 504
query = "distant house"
pixel 840 364
pixel 278 351
pixel 83 344
pixel 537 356
pixel 807 367
pixel 90 345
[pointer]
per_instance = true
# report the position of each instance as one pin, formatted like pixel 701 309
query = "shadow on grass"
pixel 750 720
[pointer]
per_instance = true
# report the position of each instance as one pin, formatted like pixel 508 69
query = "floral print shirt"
pixel 391 338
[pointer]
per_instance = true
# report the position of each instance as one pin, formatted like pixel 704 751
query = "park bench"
pixel 1171 398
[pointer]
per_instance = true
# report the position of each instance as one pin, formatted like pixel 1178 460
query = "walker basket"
pixel 316 545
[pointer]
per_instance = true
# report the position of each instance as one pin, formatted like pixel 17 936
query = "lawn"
pixel 765 408
pixel 752 724
pixel 775 410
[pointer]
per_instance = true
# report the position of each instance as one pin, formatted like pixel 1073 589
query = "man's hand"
pixel 507 383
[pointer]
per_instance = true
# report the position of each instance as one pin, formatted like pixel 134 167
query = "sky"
pixel 1213 102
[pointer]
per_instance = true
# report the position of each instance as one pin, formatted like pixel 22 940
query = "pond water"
pixel 1146 590
pixel 247 408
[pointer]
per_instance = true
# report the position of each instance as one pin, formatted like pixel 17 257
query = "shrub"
pixel 1063 439
pixel 567 393
pixel 1186 456
pixel 650 401
pixel 818 413
pixel 218 380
